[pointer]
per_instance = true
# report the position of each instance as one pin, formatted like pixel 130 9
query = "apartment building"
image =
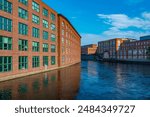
pixel 30 40
pixel 108 49
pixel 89 49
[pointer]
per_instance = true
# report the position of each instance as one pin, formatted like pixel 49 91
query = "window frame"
pixel 22 62
pixel 6 64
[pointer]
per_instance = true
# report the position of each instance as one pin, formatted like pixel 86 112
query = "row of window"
pixel 6 62
pixel 6 44
pixel 6 25
pixel 36 7
pixel 6 6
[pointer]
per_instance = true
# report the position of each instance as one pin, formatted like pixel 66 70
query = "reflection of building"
pixel 54 85
pixel 89 49
pixel 108 49
pixel 30 39
pixel 136 50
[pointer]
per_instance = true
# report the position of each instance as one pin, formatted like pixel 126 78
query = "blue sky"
pixel 98 20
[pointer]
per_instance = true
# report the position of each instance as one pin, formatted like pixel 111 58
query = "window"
pixel 45 12
pixel 35 6
pixel 45 47
pixel 45 60
pixel 5 24
pixel 23 29
pixel 53 27
pixel 35 46
pixel 63 59
pixel 23 62
pixel 23 13
pixel 23 45
pixel 53 17
pixel 63 24
pixel 53 37
pixel 63 32
pixel 35 19
pixel 5 63
pixel 35 61
pixel 53 60
pixel 6 6
pixel 45 35
pixel 53 48
pixel 25 2
pixel 66 34
pixel 35 32
pixel 63 49
pixel 45 23
pixel 5 43
pixel 63 41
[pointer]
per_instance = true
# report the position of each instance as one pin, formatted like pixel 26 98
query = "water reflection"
pixel 54 85
pixel 111 81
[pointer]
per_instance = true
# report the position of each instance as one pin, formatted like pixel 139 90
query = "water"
pixel 91 81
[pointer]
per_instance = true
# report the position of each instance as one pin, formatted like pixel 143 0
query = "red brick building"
pixel 30 39
pixel 108 49
pixel 135 50
pixel 69 44
pixel 89 49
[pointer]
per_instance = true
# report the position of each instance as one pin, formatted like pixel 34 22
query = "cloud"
pixel 113 33
pixel 88 38
pixel 110 34
pixel 120 27
pixel 146 15
pixel 122 21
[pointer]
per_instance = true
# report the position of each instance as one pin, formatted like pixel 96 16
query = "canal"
pixel 86 81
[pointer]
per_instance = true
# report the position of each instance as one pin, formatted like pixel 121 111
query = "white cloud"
pixel 146 15
pixel 90 38
pixel 120 27
pixel 122 21
pixel 112 32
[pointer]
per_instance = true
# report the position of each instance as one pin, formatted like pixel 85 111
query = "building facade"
pixel 69 42
pixel 109 49
pixel 89 49
pixel 136 50
pixel 30 39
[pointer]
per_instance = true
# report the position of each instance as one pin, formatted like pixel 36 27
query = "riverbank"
pixel 94 57
pixel 12 77
pixel 127 61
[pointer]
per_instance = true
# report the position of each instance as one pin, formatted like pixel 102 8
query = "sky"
pixel 98 20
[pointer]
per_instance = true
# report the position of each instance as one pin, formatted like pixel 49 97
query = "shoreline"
pixel 17 76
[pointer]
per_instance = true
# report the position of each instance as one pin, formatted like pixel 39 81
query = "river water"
pixel 86 81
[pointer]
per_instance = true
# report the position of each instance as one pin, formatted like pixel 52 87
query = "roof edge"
pixel 69 23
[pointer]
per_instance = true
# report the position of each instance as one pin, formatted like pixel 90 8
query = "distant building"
pixel 89 49
pixel 109 49
pixel 145 37
pixel 136 50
